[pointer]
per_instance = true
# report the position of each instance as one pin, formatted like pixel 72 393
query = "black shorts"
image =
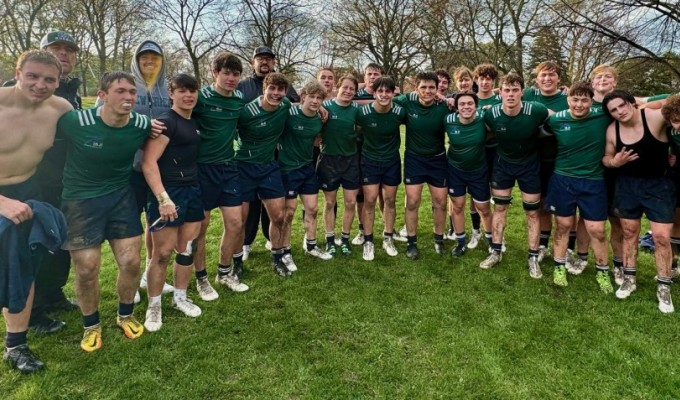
pixel 565 193
pixel 526 174
pixel 474 182
pixel 653 196
pixel 491 154
pixel 91 221
pixel 335 171
pixel 186 198
pixel 547 168
pixel 260 180
pixel 301 181
pixel 387 172
pixel 220 185
pixel 425 169
pixel 141 190
pixel 26 190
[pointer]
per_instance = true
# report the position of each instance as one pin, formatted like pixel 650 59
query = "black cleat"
pixel 22 359
pixel 439 248
pixel 62 304
pixel 238 269
pixel 459 250
pixel 280 269
pixel 43 323
pixel 412 252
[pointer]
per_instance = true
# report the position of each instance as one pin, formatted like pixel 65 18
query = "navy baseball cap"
pixel 263 50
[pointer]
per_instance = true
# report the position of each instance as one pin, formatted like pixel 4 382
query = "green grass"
pixel 438 328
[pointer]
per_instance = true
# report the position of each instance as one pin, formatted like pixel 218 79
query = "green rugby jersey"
pixel 296 146
pixel 217 116
pixel 259 131
pixel 674 137
pixel 424 125
pixel 547 147
pixel 338 137
pixel 99 157
pixel 466 142
pixel 517 136
pixel 491 101
pixel 580 143
pixel 382 137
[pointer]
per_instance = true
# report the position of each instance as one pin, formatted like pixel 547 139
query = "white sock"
pixel 179 294
pixel 153 300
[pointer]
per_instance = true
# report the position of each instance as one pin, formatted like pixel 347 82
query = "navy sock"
pixel 344 236
pixel 202 274
pixel 277 254
pixel 330 238
pixel 572 241
pixel 438 238
pixel 14 339
pixel 286 250
pixel 238 258
pixel 361 227
pixel 545 238
pixel 496 247
pixel 583 256
pixel 91 320
pixel 223 269
pixel 125 310
pixel 476 220
pixel 368 238
pixel 311 243
pixel 411 240
pixel 533 253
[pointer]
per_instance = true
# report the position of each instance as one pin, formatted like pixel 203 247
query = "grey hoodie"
pixel 152 102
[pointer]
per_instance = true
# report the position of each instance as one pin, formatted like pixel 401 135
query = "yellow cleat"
pixel 92 339
pixel 130 326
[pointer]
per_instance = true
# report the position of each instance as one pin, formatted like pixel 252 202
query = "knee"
pixel 163 257
pixel 629 232
pixel 412 204
pixel 312 211
pixel 661 239
pixel 87 273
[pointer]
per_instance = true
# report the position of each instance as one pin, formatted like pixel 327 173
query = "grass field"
pixel 438 328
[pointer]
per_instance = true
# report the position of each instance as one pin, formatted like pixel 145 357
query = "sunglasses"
pixel 160 223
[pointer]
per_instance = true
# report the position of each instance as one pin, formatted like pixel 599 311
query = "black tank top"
pixel 652 154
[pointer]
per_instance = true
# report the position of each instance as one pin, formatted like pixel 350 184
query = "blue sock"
pixel 91 320
pixel 14 339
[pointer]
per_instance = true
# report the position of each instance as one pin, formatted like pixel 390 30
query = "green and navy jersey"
pixel 466 142
pixel 580 143
pixel 424 125
pixel 99 157
pixel 491 101
pixel 217 117
pixel 547 148
pixel 382 137
pixel 363 94
pixel 296 146
pixel 674 138
pixel 338 136
pixel 517 135
pixel 259 131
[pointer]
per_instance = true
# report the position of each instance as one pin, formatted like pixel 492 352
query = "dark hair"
pixel 463 94
pixel 226 61
pixel 384 82
pixel 624 95
pixel 487 70
pixel 374 66
pixel 511 79
pixel 114 76
pixel 427 76
pixel 581 89
pixel 183 81
pixel 276 79
pixel 443 73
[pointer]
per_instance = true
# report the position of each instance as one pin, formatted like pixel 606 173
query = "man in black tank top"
pixel 637 146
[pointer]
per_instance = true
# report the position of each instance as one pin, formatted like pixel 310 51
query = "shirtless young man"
pixel 34 113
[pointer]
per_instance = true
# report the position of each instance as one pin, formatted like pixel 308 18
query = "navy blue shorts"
pixel 186 198
pixel 335 171
pixel 91 221
pixel 547 169
pixel 300 181
pixel 491 154
pixel 220 185
pixel 425 169
pixel 260 180
pixel 565 193
pixel 474 182
pixel 381 172
pixel 141 189
pixel 527 175
pixel 655 197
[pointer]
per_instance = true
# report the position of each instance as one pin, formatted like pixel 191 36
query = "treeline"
pixel 640 37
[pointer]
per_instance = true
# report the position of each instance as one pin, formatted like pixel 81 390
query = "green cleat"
pixel 345 250
pixel 602 278
pixel 330 249
pixel 560 276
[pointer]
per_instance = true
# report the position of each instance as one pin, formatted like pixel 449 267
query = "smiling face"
pixel 346 91
pixel 547 81
pixel 37 81
pixel 184 99
pixel 604 82
pixel 120 98
pixel 427 90
pixel 150 64
pixel 485 84
pixel 312 102
pixel 579 105
pixel 383 96
pixel 443 86
pixel 466 107
pixel 274 94
pixel 464 83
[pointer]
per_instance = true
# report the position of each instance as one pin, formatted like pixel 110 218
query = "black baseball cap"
pixel 263 50
pixel 59 37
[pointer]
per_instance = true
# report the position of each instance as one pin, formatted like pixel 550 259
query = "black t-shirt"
pixel 178 162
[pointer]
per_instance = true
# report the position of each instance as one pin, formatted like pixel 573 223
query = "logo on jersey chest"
pixel 414 115
pixel 372 124
pixel 96 143
pixel 500 128
pixel 565 127
pixel 299 128
pixel 455 131
pixel 216 109
pixel 262 124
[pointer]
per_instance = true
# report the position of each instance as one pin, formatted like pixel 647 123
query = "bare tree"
pixel 20 24
pixel 200 25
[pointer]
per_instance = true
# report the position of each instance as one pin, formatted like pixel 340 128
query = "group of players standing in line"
pixel 215 147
